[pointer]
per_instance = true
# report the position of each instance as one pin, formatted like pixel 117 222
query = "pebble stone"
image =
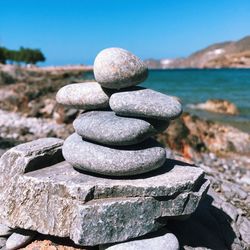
pixel 116 68
pixel 5 230
pixel 124 161
pixel 167 241
pixel 107 128
pixel 2 242
pixel 86 96
pixel 18 240
pixel 141 102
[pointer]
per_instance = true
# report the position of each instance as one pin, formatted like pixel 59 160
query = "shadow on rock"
pixel 167 167
pixel 209 227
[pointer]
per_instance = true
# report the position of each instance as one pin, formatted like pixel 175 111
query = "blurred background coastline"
pixel 198 52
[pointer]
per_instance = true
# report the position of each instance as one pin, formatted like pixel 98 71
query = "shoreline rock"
pixel 217 106
pixel 192 136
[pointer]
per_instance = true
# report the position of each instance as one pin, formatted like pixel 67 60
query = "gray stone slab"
pixel 107 128
pixel 55 199
pixel 120 161
pixel 86 96
pixel 141 102
pixel 117 68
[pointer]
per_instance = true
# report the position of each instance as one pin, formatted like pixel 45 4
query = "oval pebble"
pixel 107 128
pixel 116 68
pixel 141 102
pixel 95 158
pixel 86 96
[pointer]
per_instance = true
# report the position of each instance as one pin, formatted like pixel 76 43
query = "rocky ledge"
pixel 86 207
pixel 217 106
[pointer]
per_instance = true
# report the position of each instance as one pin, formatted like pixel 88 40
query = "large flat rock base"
pixel 41 192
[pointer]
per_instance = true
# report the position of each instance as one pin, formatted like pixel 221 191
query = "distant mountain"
pixel 220 55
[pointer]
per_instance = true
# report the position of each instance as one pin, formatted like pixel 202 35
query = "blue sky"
pixel 70 32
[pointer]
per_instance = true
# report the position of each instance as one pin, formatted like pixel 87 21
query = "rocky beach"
pixel 29 111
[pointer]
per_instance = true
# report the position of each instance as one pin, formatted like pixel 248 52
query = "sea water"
pixel 194 86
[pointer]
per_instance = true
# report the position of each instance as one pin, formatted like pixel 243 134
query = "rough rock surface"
pixel 192 135
pixel 107 128
pixel 31 87
pixel 160 241
pixel 117 68
pixel 86 96
pixel 60 201
pixel 120 161
pixel 140 102
pixel 4 230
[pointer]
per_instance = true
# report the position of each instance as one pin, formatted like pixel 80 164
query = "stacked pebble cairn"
pixel 113 135
pixel 112 142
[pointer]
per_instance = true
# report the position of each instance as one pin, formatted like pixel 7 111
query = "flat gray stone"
pixel 18 240
pixel 117 68
pixel 56 199
pixel 130 160
pixel 5 230
pixel 107 128
pixel 141 102
pixel 167 241
pixel 86 96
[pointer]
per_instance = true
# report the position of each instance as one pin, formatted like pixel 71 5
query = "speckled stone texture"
pixel 107 128
pixel 132 160
pixel 117 68
pixel 5 230
pixel 161 240
pixel 141 102
pixel 2 243
pixel 86 96
pixel 20 239
pixel 40 192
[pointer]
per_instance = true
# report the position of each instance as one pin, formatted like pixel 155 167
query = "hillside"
pixel 220 55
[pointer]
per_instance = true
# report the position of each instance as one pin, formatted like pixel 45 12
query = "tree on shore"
pixel 3 54
pixel 31 56
pixel 23 55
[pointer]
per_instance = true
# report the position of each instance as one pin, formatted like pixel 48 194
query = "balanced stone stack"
pixel 117 142
pixel 121 187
